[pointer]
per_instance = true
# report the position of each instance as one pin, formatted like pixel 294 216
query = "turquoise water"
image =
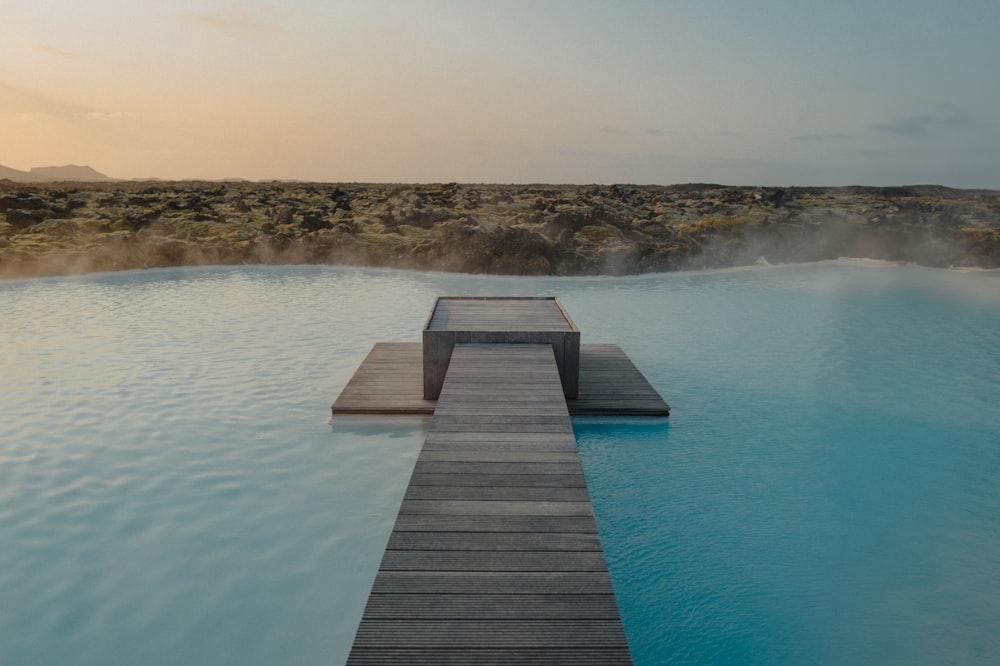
pixel 826 490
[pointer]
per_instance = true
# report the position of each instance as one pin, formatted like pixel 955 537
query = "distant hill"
pixel 70 172
pixel 14 174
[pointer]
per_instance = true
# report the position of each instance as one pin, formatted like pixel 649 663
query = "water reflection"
pixel 381 426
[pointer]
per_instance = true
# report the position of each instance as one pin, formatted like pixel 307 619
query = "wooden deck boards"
pixel 510 313
pixel 390 381
pixel 494 557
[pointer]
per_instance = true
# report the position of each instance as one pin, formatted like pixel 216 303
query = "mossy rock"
pixel 594 232
pixel 24 219
pixel 56 228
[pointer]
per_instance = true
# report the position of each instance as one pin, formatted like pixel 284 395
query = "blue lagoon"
pixel 825 491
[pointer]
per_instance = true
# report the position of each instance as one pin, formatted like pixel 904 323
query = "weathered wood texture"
pixel 495 556
pixel 484 313
pixel 390 381
pixel 499 320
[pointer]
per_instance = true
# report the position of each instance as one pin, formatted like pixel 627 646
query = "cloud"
pixel 234 19
pixel 51 50
pixel 29 105
pixel 649 131
pixel 839 136
pixel 105 115
pixel 31 116
pixel 10 20
pixel 926 125
pixel 729 133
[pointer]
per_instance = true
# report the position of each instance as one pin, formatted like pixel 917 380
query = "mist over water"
pixel 171 490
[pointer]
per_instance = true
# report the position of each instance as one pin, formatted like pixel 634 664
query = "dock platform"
pixel 494 557
pixel 390 380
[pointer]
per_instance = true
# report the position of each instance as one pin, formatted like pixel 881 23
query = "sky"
pixel 738 92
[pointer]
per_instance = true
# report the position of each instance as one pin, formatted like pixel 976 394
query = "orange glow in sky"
pixel 777 93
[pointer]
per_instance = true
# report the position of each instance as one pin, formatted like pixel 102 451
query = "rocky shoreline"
pixel 65 228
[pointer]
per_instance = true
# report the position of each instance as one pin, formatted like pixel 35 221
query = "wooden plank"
pixel 498 524
pixel 531 467
pixel 453 492
pixel 474 560
pixel 489 583
pixel 490 633
pixel 496 508
pixel 525 407
pixel 471 420
pixel 525 455
pixel 500 480
pixel 449 467
pixel 511 606
pixel 493 428
pixel 586 656
pixel 470 437
pixel 494 556
pixel 500 447
pixel 494 541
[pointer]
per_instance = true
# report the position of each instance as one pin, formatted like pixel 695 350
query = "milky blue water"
pixel 827 489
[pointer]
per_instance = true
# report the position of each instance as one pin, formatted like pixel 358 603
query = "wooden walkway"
pixel 494 557
pixel 390 381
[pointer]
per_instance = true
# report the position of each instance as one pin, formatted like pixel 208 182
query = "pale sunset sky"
pixel 768 92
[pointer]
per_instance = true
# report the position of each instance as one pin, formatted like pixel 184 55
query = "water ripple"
pixel 171 490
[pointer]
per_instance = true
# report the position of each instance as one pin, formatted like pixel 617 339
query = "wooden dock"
pixel 494 557
pixel 390 381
